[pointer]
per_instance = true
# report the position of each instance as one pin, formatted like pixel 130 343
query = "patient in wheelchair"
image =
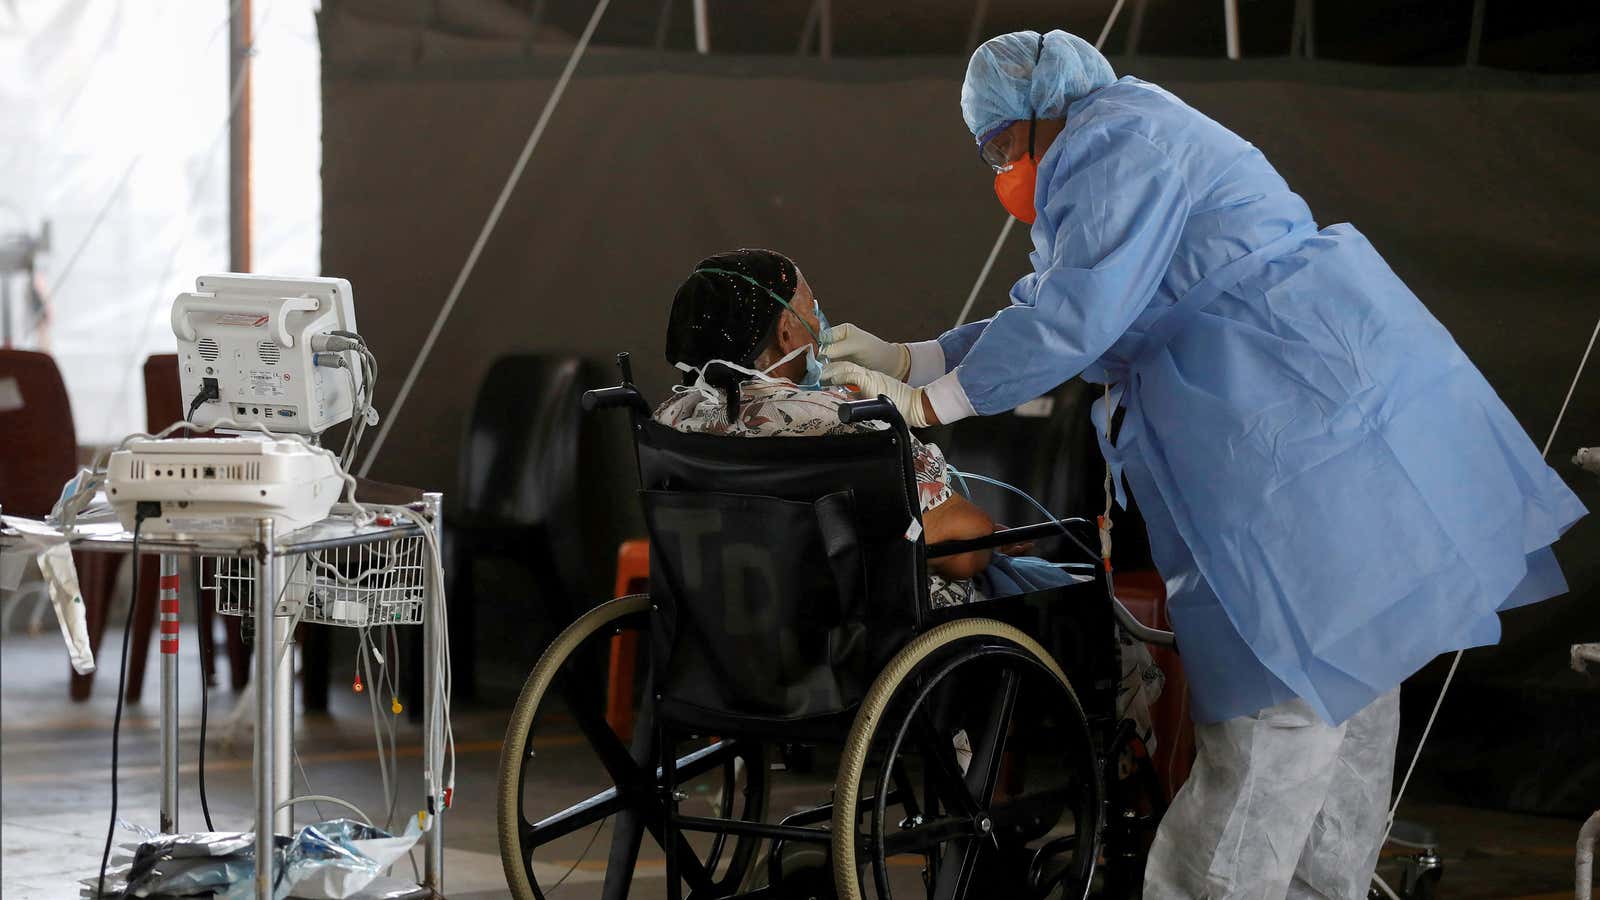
pixel 745 330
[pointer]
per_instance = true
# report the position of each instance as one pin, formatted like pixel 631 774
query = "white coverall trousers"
pixel 1280 804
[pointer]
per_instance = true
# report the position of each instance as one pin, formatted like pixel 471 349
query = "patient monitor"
pixel 251 349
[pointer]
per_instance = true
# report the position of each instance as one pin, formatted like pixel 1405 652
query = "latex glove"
pixel 869 383
pixel 852 344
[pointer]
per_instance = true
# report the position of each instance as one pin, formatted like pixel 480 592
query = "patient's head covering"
pixel 721 316
pixel 716 315
pixel 1016 76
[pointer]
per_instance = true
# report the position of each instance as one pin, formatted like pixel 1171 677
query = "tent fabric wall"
pixel 1479 189
pixel 113 128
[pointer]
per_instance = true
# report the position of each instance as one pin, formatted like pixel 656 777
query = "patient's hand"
pixel 1020 548
pixel 953 520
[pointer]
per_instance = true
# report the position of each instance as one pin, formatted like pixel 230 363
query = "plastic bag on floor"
pixel 334 860
pixel 182 865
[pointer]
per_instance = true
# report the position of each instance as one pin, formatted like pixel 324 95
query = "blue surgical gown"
pixel 1334 493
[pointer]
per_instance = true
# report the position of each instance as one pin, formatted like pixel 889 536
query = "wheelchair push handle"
pixel 625 395
pixel 877 409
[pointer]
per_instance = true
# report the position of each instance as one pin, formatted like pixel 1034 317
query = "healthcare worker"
pixel 1334 494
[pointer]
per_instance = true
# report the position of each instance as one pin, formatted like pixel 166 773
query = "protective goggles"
pixel 998 146
pixel 1001 147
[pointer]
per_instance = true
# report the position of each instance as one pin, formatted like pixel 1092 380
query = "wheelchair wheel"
pixel 599 794
pixel 1018 817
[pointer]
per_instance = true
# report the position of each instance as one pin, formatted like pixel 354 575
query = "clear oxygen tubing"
pixel 1005 230
pixel 1126 619
pixel 1577 376
pixel 483 235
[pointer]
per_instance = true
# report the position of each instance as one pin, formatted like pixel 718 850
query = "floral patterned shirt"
pixel 783 409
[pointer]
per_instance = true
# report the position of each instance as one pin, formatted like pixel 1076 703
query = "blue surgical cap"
pixel 1004 85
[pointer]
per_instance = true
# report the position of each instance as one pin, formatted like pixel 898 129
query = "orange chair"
pixel 633 577
pixel 39 455
pixel 1143 592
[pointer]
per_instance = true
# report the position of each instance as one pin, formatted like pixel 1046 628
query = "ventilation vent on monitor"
pixel 268 351
pixel 208 349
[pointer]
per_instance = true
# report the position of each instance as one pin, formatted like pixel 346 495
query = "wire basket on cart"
pixel 358 586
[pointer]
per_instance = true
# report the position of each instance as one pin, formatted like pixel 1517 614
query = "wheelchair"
pixel 975 750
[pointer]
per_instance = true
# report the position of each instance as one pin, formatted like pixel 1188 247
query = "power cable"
pixel 483 234
pixel 122 686
pixel 205 694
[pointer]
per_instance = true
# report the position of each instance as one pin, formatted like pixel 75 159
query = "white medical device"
pixel 253 350
pixel 253 347
pixel 208 485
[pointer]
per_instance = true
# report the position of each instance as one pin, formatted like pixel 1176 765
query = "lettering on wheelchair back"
pixel 758 608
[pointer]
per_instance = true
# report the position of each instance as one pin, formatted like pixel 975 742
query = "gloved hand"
pixel 851 344
pixel 869 383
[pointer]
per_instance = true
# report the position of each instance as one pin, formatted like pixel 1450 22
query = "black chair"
pixel 789 605
pixel 535 479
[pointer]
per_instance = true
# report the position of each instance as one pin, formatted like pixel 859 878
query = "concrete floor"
pixel 55 787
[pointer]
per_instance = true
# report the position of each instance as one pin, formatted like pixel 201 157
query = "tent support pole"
pixel 1475 39
pixel 240 40
pixel 1230 13
pixel 702 29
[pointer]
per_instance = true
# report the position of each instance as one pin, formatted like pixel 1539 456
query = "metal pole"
pixel 808 28
pixel 1135 29
pixel 825 27
pixel 1297 28
pixel 1230 14
pixel 1303 35
pixel 1475 39
pixel 702 29
pixel 1111 22
pixel 283 702
pixel 433 706
pixel 980 12
pixel 239 50
pixel 5 310
pixel 266 685
pixel 983 275
pixel 168 593
pixel 663 23
pixel 1311 29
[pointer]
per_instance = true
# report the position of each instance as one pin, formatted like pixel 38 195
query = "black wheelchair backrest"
pixel 785 571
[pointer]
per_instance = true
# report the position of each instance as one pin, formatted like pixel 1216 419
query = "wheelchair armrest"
pixel 1003 537
pixel 876 409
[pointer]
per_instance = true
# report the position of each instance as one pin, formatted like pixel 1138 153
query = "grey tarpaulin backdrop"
pixel 1480 189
